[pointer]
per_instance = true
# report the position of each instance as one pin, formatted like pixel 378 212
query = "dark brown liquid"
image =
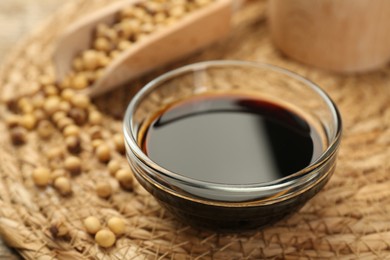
pixel 231 139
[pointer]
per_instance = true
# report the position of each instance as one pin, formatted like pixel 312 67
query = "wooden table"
pixel 18 17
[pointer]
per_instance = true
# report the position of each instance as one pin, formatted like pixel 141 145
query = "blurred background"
pixel 18 17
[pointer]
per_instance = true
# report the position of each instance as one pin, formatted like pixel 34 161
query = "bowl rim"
pixel 293 180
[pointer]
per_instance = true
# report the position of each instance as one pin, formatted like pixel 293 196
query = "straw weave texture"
pixel 348 219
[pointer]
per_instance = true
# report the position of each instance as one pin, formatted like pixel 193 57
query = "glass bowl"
pixel 229 207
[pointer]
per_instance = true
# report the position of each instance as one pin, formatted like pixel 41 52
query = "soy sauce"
pixel 231 139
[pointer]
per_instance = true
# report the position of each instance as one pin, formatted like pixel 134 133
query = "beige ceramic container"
pixel 345 36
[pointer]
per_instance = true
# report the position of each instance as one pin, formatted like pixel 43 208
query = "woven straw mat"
pixel 348 219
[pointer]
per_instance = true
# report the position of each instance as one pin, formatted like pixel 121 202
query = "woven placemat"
pixel 348 219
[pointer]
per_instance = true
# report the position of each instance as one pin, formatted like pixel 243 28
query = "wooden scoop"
pixel 192 32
